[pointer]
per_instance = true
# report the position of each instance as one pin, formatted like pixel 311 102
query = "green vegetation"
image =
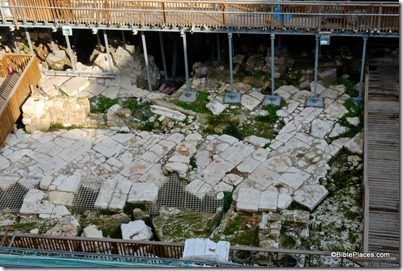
pixel 348 84
pixel 235 225
pixel 354 110
pixel 198 106
pixel 192 162
pixel 132 104
pixel 271 109
pixel 56 126
pixel 100 104
pixel 227 201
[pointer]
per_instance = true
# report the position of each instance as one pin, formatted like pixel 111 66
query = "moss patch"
pixel 100 104
pixel 198 106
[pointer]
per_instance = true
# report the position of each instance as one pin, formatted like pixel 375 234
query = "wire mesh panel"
pixel 11 198
pixel 86 195
pixel 173 194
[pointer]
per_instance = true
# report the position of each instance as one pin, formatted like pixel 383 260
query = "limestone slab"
pixel 63 142
pixel 138 167
pixel 355 144
pixel 223 187
pixel 310 195
pixel 59 211
pixel 166 112
pixel 108 147
pixel 155 176
pixel 62 198
pixel 321 128
pixel 198 188
pixel 268 201
pixel 261 154
pixel 294 177
pixel 249 102
pixel 237 153
pixel 216 107
pixel 49 148
pixel 257 141
pixel 123 138
pixel 336 110
pixel 308 114
pixel 4 163
pixel 215 171
pixel 248 200
pixel 283 201
pixel 150 156
pixel 264 176
pixel 6 181
pixel 119 196
pixel 248 165
pixel 228 139
pixel 74 86
pixel 76 149
pixel 278 163
pixel 145 193
pixel 136 230
pixel 65 183
pixel 233 179
pixel 52 165
pixel 180 168
pixel 105 194
pixel 176 137
pixel 34 203
pixel 202 159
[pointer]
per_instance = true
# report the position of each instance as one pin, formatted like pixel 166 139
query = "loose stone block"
pixel 321 128
pixel 248 200
pixel 105 194
pixel 33 203
pixel 264 176
pixel 215 171
pixel 62 198
pixel 237 153
pixel 137 168
pixel 257 141
pixel 136 230
pixel 108 147
pixel 143 193
pixel 66 183
pixel 294 177
pixel 310 195
pixel 268 201
pixel 52 165
pixel 283 201
pixel 120 194
pixel 249 102
pixel 75 150
pixel 248 165
pixel 356 144
pixel 169 113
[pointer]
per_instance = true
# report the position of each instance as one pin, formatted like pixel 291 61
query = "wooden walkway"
pixel 382 158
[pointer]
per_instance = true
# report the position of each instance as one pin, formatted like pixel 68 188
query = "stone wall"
pixel 39 113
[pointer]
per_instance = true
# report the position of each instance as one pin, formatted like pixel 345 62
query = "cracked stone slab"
pixel 249 102
pixel 291 127
pixel 144 193
pixel 52 165
pixel 310 195
pixel 155 176
pixel 257 141
pixel 237 153
pixel 105 194
pixel 65 183
pixel 294 177
pixel 136 168
pixel 198 188
pixel 336 110
pixel 75 150
pixel 321 128
pixel 202 159
pixel 108 147
pixel 215 171
pixel 283 201
pixel 248 200
pixel 261 154
pixel 233 179
pixel 62 198
pixel 355 144
pixel 223 187
pixel 34 203
pixel 6 181
pixel 278 163
pixel 119 196
pixel 48 148
pixel 248 165
pixel 264 176
pixel 308 114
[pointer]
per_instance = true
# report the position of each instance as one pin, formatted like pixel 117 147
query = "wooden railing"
pixel 10 109
pixel 324 16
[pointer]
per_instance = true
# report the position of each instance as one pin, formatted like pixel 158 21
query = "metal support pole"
pixel 272 99
pixel 143 39
pixel 99 42
pixel 123 39
pixel 218 49
pixel 70 53
pixel 52 42
pixel 15 43
pixel 108 55
pixel 188 96
pixel 164 63
pixel 231 97
pixel 29 40
pixel 364 48
pixel 174 57
pixel 315 101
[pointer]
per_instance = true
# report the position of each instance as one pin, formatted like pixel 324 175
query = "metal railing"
pixel 305 16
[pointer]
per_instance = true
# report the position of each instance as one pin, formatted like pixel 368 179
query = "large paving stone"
pixel 119 196
pixel 283 201
pixel 261 154
pixel 62 198
pixel 237 153
pixel 7 181
pixel 268 201
pixel 143 193
pixel 76 149
pixel 215 171
pixel 356 144
pixel 321 128
pixel 248 200
pixel 166 112
pixel 291 127
pixel 264 176
pixel 248 165
pixel 34 203
pixel 105 194
pixel 294 177
pixel 136 230
pixel 310 195
pixel 154 176
pixel 65 183
pixel 233 179
pixel 50 166
pixel 249 102
pixel 198 188
pixel 336 110
pixel 308 114
pixel 136 168
pixel 49 148
pixel 229 139
pixel 257 141
pixel 74 86
pixel 278 163
pixel 108 147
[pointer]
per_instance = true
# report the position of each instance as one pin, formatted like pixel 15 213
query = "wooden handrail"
pixel 351 16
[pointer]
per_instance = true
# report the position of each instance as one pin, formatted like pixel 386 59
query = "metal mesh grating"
pixel 173 194
pixel 87 194
pixel 11 198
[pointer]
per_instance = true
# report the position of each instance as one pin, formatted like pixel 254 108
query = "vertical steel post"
pixel 99 42
pixel 174 57
pixel 70 53
pixel 316 66
pixel 164 63
pixel 364 48
pixel 123 39
pixel 29 40
pixel 185 55
pixel 15 43
pixel 218 48
pixel 272 36
pixel 108 55
pixel 52 42
pixel 231 73
pixel 143 39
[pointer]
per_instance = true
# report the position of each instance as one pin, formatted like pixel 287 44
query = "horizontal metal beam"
pixel 79 74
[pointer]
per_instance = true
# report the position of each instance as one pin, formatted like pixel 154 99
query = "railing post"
pixel 52 42
pixel 231 97
pixel 123 39
pixel 315 101
pixel 272 99
pixel 143 39
pixel 29 40
pixel 358 99
pixel 15 43
pixel 108 55
pixel 164 63
pixel 187 95
pixel 70 52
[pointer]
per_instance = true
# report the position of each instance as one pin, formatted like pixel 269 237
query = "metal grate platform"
pixel 11 198
pixel 173 194
pixel 86 195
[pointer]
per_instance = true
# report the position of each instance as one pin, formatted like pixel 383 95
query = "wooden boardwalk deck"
pixel 382 158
